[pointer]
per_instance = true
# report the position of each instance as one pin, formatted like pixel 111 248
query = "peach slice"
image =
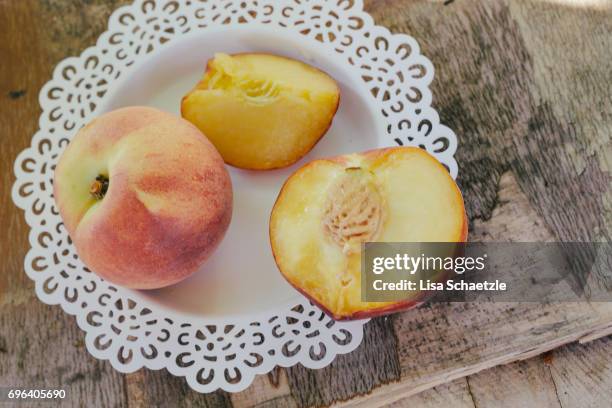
pixel 262 111
pixel 329 207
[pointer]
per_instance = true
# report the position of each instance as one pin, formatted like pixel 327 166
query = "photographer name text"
pixel 452 285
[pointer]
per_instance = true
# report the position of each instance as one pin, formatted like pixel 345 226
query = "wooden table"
pixel 525 85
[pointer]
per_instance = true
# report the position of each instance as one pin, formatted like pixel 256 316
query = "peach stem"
pixel 99 187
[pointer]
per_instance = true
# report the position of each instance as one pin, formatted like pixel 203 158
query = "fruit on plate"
pixel 329 207
pixel 262 111
pixel 144 196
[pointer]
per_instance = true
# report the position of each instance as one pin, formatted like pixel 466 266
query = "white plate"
pixel 237 317
pixel 241 277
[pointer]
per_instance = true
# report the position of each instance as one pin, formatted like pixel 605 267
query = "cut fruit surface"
pixel 328 208
pixel 262 111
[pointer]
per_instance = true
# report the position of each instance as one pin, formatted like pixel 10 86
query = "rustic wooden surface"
pixel 526 86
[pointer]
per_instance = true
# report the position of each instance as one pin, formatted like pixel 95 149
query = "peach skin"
pixel 144 195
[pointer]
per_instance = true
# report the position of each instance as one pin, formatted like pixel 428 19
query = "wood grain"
pixel 583 374
pixel 454 394
pixel 572 376
pixel 522 384
pixel 43 349
pixel 526 87
pixel 22 73
pixel 376 362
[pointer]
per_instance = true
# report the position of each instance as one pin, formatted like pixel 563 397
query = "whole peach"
pixel 144 196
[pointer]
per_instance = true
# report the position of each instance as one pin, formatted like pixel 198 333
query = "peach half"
pixel 262 111
pixel 144 196
pixel 329 207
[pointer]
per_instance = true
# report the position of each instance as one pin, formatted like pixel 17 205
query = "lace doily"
pixel 131 334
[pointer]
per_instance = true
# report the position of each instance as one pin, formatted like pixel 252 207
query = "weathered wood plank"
pixel 375 362
pixel 521 384
pixel 454 394
pixel 582 374
pixel 42 348
pixel 572 376
pixel 158 388
pixel 266 391
pixel 22 72
pixel 526 87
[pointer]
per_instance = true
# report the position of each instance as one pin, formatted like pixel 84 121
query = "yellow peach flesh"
pixel 388 195
pixel 262 111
